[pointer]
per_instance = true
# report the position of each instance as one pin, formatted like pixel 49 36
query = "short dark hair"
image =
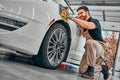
pixel 83 7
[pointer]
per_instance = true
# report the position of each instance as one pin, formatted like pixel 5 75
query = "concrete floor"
pixel 23 69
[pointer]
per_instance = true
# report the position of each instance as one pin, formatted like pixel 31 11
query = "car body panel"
pixel 28 39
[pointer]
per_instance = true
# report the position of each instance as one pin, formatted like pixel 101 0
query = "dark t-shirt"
pixel 96 33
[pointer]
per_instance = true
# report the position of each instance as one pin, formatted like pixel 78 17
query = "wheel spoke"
pixel 60 34
pixel 62 49
pixel 51 53
pixel 53 39
pixel 52 59
pixel 51 47
pixel 63 38
pixel 51 42
pixel 55 58
pixel 56 36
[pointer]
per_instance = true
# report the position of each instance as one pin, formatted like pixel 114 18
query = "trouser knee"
pixel 89 43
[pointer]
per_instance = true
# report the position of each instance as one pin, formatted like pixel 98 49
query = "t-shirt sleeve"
pixel 96 22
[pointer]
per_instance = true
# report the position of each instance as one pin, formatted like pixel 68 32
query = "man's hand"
pixel 69 16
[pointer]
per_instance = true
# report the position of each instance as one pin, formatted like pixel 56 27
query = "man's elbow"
pixel 90 27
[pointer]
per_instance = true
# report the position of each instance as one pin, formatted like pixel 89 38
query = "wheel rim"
pixel 57 46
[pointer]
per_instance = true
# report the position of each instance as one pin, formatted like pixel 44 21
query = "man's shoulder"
pixel 94 19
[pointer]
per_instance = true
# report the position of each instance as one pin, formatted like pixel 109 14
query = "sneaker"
pixel 89 73
pixel 105 71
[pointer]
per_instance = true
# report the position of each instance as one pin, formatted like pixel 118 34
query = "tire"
pixel 54 48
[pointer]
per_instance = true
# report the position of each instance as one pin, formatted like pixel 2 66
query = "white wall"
pixel 112 26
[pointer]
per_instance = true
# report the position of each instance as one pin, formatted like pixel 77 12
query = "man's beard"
pixel 83 17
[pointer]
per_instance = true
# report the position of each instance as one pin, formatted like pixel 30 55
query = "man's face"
pixel 82 14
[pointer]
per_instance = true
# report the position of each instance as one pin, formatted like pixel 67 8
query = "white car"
pixel 34 27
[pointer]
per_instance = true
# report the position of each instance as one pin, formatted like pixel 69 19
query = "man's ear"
pixel 88 13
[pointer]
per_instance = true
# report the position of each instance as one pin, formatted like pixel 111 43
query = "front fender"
pixel 75 34
pixel 77 44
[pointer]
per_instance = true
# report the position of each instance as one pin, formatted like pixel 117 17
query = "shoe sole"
pixel 87 77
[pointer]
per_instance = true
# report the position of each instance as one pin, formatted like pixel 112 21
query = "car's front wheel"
pixel 54 48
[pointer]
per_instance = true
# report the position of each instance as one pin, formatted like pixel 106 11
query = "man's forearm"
pixel 79 22
pixel 83 23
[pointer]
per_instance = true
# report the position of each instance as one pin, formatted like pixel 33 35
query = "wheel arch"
pixel 66 25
